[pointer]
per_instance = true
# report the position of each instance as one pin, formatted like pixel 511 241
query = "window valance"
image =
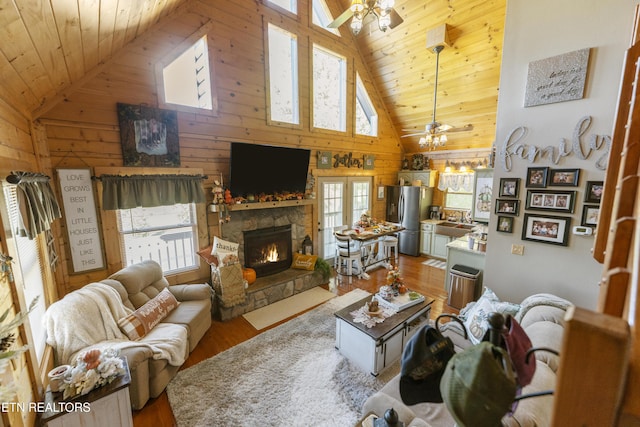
pixel 131 191
pixel 37 204
pixel 456 181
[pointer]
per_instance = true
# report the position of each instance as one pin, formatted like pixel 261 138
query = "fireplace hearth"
pixel 268 250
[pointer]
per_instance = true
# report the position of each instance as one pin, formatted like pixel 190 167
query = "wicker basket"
pixel 228 284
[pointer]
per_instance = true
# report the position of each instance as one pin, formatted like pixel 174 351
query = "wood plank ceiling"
pixel 49 46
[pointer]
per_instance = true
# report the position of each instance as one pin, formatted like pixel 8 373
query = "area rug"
pixel 435 263
pixel 291 375
pixel 280 310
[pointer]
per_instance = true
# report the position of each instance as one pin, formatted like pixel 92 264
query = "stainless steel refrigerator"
pixel 407 206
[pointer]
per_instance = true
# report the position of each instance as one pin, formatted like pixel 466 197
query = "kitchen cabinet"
pixel 427 177
pixel 439 245
pixel 426 235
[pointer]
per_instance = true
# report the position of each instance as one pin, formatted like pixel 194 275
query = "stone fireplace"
pixel 268 250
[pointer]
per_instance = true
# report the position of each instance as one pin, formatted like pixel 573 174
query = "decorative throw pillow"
pixel 475 314
pixel 140 322
pixel 304 262
pixel 225 251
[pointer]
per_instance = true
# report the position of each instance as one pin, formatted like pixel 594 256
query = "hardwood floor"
pixel 223 335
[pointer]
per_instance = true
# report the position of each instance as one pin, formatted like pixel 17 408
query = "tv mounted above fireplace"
pixel 267 169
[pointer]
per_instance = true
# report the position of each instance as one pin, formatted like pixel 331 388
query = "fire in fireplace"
pixel 268 250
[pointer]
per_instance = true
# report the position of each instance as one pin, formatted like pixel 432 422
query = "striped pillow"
pixel 140 322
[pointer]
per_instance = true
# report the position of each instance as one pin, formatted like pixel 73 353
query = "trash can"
pixel 462 285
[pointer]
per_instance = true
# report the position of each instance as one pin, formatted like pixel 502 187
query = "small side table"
pixel 106 406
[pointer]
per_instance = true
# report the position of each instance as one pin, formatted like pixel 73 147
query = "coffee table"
pixel 376 348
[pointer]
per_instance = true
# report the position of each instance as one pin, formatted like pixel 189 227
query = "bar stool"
pixel 348 255
pixel 389 244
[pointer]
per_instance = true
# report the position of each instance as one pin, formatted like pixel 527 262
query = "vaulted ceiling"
pixel 48 47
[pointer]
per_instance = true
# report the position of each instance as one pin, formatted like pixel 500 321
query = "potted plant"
pixel 323 267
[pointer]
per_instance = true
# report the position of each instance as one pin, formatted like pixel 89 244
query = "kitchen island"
pixel 458 252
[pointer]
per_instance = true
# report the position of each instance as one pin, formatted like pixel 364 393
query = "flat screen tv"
pixel 267 169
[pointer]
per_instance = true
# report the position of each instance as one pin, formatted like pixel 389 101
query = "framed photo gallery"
pixel 544 205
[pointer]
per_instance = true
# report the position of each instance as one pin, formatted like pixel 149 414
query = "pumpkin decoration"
pixel 249 274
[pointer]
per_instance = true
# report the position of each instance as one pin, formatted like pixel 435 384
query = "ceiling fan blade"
pixel 412 134
pixel 444 128
pixel 465 128
pixel 396 19
pixel 344 17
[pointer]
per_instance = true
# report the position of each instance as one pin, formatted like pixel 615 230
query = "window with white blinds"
pixel 29 279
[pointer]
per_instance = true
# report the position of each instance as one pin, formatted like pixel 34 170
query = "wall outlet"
pixel 517 249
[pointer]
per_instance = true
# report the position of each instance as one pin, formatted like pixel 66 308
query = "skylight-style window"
pixel 283 75
pixel 366 116
pixel 329 89
pixel 290 5
pixel 187 79
pixel 321 16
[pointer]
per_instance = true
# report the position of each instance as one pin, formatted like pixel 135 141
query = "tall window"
pixel 166 234
pixel 361 198
pixel 366 116
pixel 187 79
pixel 30 265
pixel 290 5
pixel 329 89
pixel 321 16
pixel 283 75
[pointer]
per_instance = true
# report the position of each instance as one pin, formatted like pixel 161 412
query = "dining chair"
pixel 348 256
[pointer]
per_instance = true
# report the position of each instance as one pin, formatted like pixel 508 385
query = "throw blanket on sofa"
pixel 88 317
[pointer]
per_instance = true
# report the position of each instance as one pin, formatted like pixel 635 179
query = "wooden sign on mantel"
pixel 557 79
pixel 80 214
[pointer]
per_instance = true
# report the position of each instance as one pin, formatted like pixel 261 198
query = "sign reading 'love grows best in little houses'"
pixel 81 218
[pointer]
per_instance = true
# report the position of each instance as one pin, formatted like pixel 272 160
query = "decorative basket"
pixel 228 284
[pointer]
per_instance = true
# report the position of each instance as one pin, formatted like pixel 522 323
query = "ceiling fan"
pixel 361 9
pixel 435 133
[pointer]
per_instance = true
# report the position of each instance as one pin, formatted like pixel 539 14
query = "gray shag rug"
pixel 291 375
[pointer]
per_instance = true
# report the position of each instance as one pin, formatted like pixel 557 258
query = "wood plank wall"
pixel 82 131
pixel 16 153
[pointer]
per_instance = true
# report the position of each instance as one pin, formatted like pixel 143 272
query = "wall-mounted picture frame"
pixel 509 187
pixel 505 224
pixel 482 191
pixel 148 136
pixel 369 162
pixel 564 177
pixel 507 206
pixel 551 200
pixel 593 191
pixel 537 177
pixel 546 229
pixel 380 192
pixel 590 215
pixel 324 160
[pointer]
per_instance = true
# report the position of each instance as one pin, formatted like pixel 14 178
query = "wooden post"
pixel 593 367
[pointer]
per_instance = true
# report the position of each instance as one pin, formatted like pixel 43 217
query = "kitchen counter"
pixel 462 244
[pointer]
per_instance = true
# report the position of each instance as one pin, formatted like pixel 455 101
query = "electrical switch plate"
pixel 517 249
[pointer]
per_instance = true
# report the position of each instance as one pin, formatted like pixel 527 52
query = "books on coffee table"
pixel 401 301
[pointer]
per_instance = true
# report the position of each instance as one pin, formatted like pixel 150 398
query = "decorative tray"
pixel 401 301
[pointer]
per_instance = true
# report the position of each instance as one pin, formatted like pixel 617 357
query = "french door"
pixel 341 202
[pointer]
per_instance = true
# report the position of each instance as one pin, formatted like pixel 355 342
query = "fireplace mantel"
pixel 263 205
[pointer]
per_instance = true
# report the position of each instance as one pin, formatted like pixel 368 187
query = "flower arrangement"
pixel 395 281
pixel 91 370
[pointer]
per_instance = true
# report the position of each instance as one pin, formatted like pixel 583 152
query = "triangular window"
pixel 366 115
pixel 321 16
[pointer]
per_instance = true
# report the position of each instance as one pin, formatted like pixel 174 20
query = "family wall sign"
pixel 581 145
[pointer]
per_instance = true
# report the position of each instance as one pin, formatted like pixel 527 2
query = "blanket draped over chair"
pixel 88 318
